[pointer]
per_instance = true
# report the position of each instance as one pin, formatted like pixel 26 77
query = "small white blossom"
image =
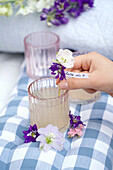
pixel 6 9
pixel 32 4
pixel 49 24
pixel 25 10
pixel 65 58
pixel 44 4
pixel 3 10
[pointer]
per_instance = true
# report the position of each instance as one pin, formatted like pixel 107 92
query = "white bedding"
pixel 10 65
pixel 92 31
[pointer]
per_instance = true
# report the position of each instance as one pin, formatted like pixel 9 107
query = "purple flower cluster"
pixel 56 15
pixel 31 134
pixel 58 70
pixel 75 121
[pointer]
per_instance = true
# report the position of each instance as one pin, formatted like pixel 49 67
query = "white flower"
pixel 50 137
pixel 65 58
pixel 25 10
pixel 44 4
pixel 3 10
pixel 6 9
pixel 32 4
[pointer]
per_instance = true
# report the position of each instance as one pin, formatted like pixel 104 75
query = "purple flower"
pixel 56 15
pixel 43 16
pixel 75 131
pixel 74 12
pixel 50 137
pixel 61 5
pixel 75 121
pixel 57 69
pixel 89 2
pixel 31 134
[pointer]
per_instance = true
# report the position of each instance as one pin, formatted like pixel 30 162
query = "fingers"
pixel 74 83
pixel 83 62
pixel 57 81
pixel 90 90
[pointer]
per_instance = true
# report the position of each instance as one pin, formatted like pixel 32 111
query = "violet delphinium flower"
pixel 76 126
pixel 61 5
pixel 31 134
pixel 89 2
pixel 50 137
pixel 76 8
pixel 58 70
pixel 56 15
pixel 75 120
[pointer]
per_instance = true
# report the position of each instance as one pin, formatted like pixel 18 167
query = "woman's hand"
pixel 101 74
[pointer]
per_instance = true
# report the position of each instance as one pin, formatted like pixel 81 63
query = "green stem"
pixel 59 93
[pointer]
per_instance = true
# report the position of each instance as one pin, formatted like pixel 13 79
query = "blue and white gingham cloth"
pixel 92 151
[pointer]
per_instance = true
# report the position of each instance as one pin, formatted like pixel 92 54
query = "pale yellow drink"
pixel 80 96
pixel 47 108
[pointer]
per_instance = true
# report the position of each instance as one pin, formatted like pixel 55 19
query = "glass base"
pixel 63 129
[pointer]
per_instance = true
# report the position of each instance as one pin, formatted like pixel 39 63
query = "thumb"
pixel 74 83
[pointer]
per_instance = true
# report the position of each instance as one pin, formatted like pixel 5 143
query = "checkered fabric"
pixel 92 151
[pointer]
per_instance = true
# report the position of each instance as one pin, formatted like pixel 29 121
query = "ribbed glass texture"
pixel 40 49
pixel 46 107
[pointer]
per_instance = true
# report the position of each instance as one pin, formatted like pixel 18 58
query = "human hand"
pixel 101 74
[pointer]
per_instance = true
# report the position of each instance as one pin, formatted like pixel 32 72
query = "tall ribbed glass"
pixel 40 49
pixel 46 107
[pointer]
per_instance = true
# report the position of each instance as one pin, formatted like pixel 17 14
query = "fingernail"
pixel 63 85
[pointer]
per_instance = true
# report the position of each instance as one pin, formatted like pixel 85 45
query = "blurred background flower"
pixel 55 12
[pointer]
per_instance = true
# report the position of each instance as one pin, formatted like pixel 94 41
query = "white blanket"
pixel 10 66
pixel 92 31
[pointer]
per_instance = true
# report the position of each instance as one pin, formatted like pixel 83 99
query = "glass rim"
pixel 33 33
pixel 84 52
pixel 38 98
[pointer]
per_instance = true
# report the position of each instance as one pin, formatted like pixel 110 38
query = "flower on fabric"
pixel 24 10
pixel 41 4
pixel 31 134
pixel 50 137
pixel 76 131
pixel 76 126
pixel 6 9
pixel 65 58
pixel 56 14
pixel 75 121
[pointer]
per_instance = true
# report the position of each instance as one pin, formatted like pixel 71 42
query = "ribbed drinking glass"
pixel 46 107
pixel 40 49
